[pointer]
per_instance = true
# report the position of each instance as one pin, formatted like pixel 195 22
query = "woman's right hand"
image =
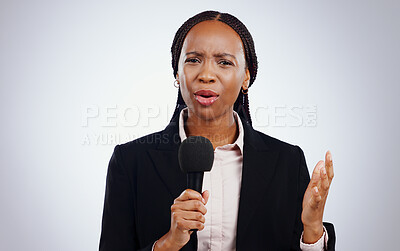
pixel 187 213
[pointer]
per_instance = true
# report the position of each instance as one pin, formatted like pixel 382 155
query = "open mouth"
pixel 206 97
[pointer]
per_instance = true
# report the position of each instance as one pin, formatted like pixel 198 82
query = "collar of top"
pixel 238 142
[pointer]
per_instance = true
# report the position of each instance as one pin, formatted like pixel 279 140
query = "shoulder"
pixel 286 150
pixel 277 144
pixel 142 144
pixel 290 158
pixel 138 151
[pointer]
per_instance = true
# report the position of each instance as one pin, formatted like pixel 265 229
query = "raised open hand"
pixel 315 198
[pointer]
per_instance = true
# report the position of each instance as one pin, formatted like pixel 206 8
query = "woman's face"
pixel 212 69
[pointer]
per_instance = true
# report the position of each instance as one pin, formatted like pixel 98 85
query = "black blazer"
pixel 144 178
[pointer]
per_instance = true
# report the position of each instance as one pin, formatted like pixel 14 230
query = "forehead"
pixel 213 36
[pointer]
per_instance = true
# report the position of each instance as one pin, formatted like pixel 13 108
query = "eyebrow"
pixel 224 54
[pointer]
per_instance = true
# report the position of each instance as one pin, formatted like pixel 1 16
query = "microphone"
pixel 196 156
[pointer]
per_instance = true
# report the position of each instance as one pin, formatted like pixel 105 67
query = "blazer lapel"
pixel 259 163
pixel 165 160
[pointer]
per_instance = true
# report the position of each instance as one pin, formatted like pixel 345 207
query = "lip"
pixel 206 97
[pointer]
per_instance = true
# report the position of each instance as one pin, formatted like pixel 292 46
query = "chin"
pixel 208 113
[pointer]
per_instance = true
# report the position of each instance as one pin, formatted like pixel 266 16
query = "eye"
pixel 192 60
pixel 225 62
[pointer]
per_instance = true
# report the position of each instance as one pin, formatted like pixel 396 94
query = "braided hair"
pixel 241 105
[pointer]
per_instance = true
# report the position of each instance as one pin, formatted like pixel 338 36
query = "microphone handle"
pixel 195 182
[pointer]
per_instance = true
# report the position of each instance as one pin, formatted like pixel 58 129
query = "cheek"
pixel 189 74
pixel 187 78
pixel 183 80
pixel 186 93
pixel 231 97
pixel 233 82
pixel 184 89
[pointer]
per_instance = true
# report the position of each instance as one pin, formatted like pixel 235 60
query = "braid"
pixel 241 105
pixel 180 104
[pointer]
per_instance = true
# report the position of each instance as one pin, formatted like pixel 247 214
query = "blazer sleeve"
pixel 304 179
pixel 118 231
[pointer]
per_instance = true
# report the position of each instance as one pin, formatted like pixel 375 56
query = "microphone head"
pixel 196 154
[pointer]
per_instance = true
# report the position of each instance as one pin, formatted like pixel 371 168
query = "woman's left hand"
pixel 315 198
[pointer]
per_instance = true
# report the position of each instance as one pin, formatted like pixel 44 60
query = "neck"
pixel 220 131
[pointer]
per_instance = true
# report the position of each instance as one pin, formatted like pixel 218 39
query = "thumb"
pixel 206 195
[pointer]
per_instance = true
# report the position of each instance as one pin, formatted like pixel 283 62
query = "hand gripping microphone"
pixel 196 156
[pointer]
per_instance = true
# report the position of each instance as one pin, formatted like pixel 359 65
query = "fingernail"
pixel 324 170
pixel 316 189
pixel 204 201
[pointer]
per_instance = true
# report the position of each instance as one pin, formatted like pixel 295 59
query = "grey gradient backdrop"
pixel 78 77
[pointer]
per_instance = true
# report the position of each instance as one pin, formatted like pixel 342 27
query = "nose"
pixel 207 74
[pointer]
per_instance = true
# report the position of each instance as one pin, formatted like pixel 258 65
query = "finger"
pixel 324 186
pixel 193 216
pixel 190 194
pixel 315 178
pixel 206 196
pixel 189 205
pixel 186 225
pixel 315 198
pixel 329 165
pixel 194 225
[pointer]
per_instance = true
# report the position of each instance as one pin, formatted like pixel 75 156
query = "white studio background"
pixel 79 77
